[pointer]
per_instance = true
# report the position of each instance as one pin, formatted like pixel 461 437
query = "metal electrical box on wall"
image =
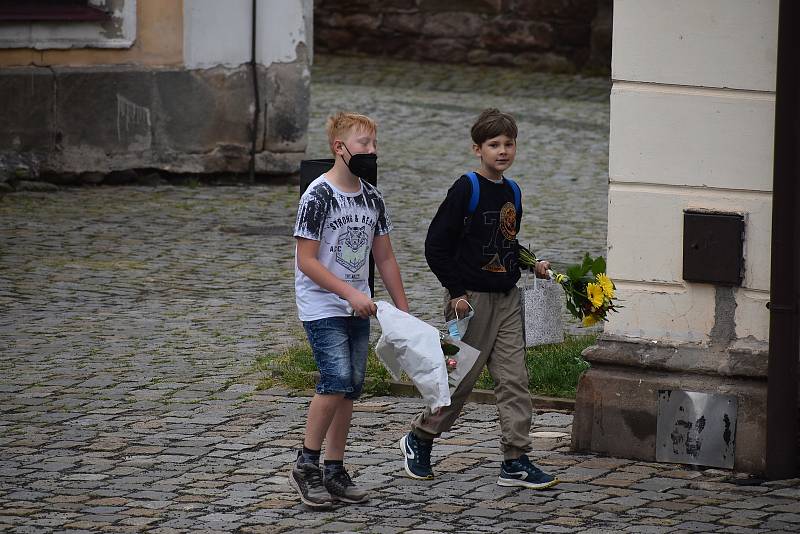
pixel 713 245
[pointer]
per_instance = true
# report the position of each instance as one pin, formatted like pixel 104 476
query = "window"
pixel 51 11
pixel 46 24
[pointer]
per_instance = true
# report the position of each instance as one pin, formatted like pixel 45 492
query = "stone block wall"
pixel 71 122
pixel 542 35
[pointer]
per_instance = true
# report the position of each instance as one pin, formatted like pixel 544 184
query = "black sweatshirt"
pixel 480 252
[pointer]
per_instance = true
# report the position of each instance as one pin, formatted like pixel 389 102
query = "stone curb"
pixel 480 396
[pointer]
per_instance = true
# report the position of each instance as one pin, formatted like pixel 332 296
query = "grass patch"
pixel 292 368
pixel 295 368
pixel 554 370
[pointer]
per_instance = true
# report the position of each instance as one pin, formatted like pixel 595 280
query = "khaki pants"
pixel 496 331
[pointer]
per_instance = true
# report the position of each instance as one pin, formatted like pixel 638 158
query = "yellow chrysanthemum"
pixel 607 285
pixel 595 294
pixel 560 278
pixel 589 320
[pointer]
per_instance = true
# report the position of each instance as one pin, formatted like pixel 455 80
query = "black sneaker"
pixel 341 487
pixel 417 455
pixel 306 478
pixel 521 472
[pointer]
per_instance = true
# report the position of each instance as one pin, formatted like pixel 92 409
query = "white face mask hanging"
pixel 458 327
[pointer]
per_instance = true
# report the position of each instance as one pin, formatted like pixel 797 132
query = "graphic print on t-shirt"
pixel 352 250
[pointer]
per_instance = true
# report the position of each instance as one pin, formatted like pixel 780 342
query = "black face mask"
pixel 363 165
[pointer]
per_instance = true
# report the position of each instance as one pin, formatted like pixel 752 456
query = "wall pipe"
pixel 256 95
pixel 784 329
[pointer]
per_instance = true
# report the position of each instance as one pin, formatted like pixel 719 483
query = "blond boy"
pixel 340 219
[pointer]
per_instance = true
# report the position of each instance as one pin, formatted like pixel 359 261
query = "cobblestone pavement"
pixel 130 319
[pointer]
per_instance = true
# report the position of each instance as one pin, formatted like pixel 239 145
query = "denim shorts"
pixel 340 346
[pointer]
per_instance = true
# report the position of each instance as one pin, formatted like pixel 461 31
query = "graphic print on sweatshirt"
pixel 345 225
pixel 504 232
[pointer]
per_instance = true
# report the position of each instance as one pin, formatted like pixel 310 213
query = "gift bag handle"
pixel 535 278
pixel 527 282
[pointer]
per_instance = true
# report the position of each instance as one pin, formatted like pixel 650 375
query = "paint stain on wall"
pixel 133 124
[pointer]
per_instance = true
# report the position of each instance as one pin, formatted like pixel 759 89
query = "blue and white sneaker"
pixel 417 455
pixel 521 472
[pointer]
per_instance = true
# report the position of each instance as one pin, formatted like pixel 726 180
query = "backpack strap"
pixel 517 195
pixel 476 193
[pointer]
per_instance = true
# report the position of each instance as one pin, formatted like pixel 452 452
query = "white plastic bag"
pixel 542 302
pixel 410 345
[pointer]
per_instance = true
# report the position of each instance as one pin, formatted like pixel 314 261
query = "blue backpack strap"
pixel 476 193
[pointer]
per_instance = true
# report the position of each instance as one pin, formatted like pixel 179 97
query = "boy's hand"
pixel 541 269
pixel 460 305
pixel 362 305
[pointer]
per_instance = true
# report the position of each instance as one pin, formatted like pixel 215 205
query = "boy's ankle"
pixel 308 456
pixel 332 466
pixel 417 437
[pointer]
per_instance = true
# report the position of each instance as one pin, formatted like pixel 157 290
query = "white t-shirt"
pixel 344 224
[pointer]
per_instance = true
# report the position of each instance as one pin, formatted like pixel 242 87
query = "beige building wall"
pixel 692 117
pixel 158 42
pixel 196 34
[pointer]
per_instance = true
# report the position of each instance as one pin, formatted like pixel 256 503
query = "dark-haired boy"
pixel 474 254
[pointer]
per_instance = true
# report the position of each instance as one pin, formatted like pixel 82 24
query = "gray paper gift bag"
pixel 542 302
pixel 466 358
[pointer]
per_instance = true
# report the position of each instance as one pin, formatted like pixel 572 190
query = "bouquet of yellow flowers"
pixel 588 290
